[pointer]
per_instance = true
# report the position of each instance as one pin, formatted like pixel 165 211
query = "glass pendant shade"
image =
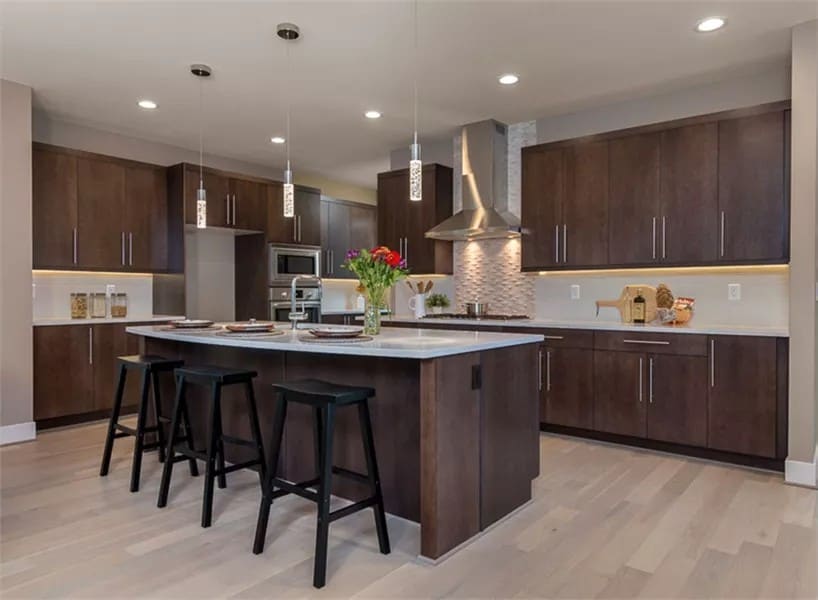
pixel 201 207
pixel 289 193
pixel 415 175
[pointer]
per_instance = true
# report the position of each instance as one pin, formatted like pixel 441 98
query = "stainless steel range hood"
pixel 485 213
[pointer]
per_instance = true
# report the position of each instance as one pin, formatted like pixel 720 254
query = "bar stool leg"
pixel 325 490
pixel 222 477
pixel 178 409
pixel 109 439
pixel 210 463
pixel 139 443
pixel 255 430
pixel 194 467
pixel 318 435
pixel 374 476
pixel 268 486
pixel 157 412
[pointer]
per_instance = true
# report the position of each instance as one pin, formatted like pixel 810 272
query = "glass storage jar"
pixel 119 305
pixel 79 305
pixel 99 305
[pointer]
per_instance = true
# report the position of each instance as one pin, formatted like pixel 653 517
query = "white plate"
pixel 336 331
pixel 250 326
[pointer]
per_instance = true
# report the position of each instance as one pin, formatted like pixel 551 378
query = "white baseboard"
pixel 21 432
pixel 801 472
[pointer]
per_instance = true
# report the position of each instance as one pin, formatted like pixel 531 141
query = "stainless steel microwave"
pixel 285 262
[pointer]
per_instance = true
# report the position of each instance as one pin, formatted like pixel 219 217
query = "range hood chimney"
pixel 485 213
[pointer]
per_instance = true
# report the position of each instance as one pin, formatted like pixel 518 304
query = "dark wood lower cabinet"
pixel 75 371
pixel 743 395
pixel 620 405
pixel 568 387
pixel 677 399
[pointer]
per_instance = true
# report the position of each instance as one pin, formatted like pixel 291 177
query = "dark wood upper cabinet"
pixel 146 218
pixel 633 205
pixel 704 190
pixel 101 196
pixel 54 195
pixel 620 402
pixel 743 395
pixel 402 225
pixel 753 202
pixel 63 382
pixel 543 188
pixel 248 205
pixel 677 399
pixel 308 215
pixel 279 229
pixel 585 206
pixel 689 201
pixel 568 387
pixel 345 225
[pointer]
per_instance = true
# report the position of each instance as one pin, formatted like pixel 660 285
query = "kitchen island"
pixel 455 416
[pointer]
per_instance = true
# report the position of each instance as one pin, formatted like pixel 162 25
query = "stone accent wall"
pixel 489 270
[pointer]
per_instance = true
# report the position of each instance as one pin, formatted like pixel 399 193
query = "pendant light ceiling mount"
pixel 288 31
pixel 200 70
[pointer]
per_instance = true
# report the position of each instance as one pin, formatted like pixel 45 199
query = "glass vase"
pixel 372 314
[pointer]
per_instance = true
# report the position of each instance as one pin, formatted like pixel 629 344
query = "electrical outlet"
pixel 734 291
pixel 574 292
pixel 110 289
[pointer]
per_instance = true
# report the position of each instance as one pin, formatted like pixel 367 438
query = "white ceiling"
pixel 89 63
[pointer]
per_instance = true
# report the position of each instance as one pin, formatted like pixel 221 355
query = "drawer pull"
pixel 648 342
pixel 554 337
pixel 640 379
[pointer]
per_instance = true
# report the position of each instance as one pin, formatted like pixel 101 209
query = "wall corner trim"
pixel 20 432
pixel 803 473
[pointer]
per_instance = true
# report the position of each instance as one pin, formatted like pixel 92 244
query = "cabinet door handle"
pixel 564 244
pixel 74 243
pixel 664 253
pixel 640 378
pixel 721 235
pixel 295 228
pixel 299 228
pixel 90 346
pixel 712 363
pixel 406 249
pixel 539 370
pixel 130 248
pixel 234 209
pixel 654 238
pixel 227 207
pixel 556 243
pixel 648 342
pixel 122 247
pixel 332 261
pixel 554 337
pixel 650 380
pixel 548 370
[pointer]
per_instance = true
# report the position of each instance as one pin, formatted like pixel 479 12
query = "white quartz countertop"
pixel 390 343
pixel 692 327
pixel 129 319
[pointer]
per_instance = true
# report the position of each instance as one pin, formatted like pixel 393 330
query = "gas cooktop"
pixel 488 317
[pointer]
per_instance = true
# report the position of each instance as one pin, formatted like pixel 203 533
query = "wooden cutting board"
pixel 623 303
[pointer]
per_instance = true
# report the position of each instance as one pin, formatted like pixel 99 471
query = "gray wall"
pixel 16 351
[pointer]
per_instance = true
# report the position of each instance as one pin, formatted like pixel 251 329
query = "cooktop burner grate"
pixel 488 317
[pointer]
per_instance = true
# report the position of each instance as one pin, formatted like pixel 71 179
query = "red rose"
pixel 392 259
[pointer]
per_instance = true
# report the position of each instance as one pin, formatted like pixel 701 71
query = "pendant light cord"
pixel 415 78
pixel 201 145
pixel 289 102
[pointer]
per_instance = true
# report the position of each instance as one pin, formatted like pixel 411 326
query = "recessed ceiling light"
pixel 147 104
pixel 710 24
pixel 508 79
pixel 372 114
pixel 277 139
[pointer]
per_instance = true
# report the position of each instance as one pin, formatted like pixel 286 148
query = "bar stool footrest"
pixel 125 430
pixel 238 441
pixel 299 489
pixel 185 453
pixel 237 467
pixel 352 508
pixel 354 475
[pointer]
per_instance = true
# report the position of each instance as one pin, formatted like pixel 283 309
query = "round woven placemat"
pixel 250 334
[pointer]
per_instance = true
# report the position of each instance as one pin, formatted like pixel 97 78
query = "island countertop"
pixel 419 344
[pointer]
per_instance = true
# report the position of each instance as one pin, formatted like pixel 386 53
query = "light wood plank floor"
pixel 606 522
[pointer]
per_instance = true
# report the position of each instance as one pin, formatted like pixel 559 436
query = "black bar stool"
pixel 215 378
pixel 324 398
pixel 149 366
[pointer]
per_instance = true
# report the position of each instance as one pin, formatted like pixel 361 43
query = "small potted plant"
pixel 437 302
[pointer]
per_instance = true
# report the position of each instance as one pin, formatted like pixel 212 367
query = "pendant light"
pixel 202 72
pixel 289 33
pixel 415 165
